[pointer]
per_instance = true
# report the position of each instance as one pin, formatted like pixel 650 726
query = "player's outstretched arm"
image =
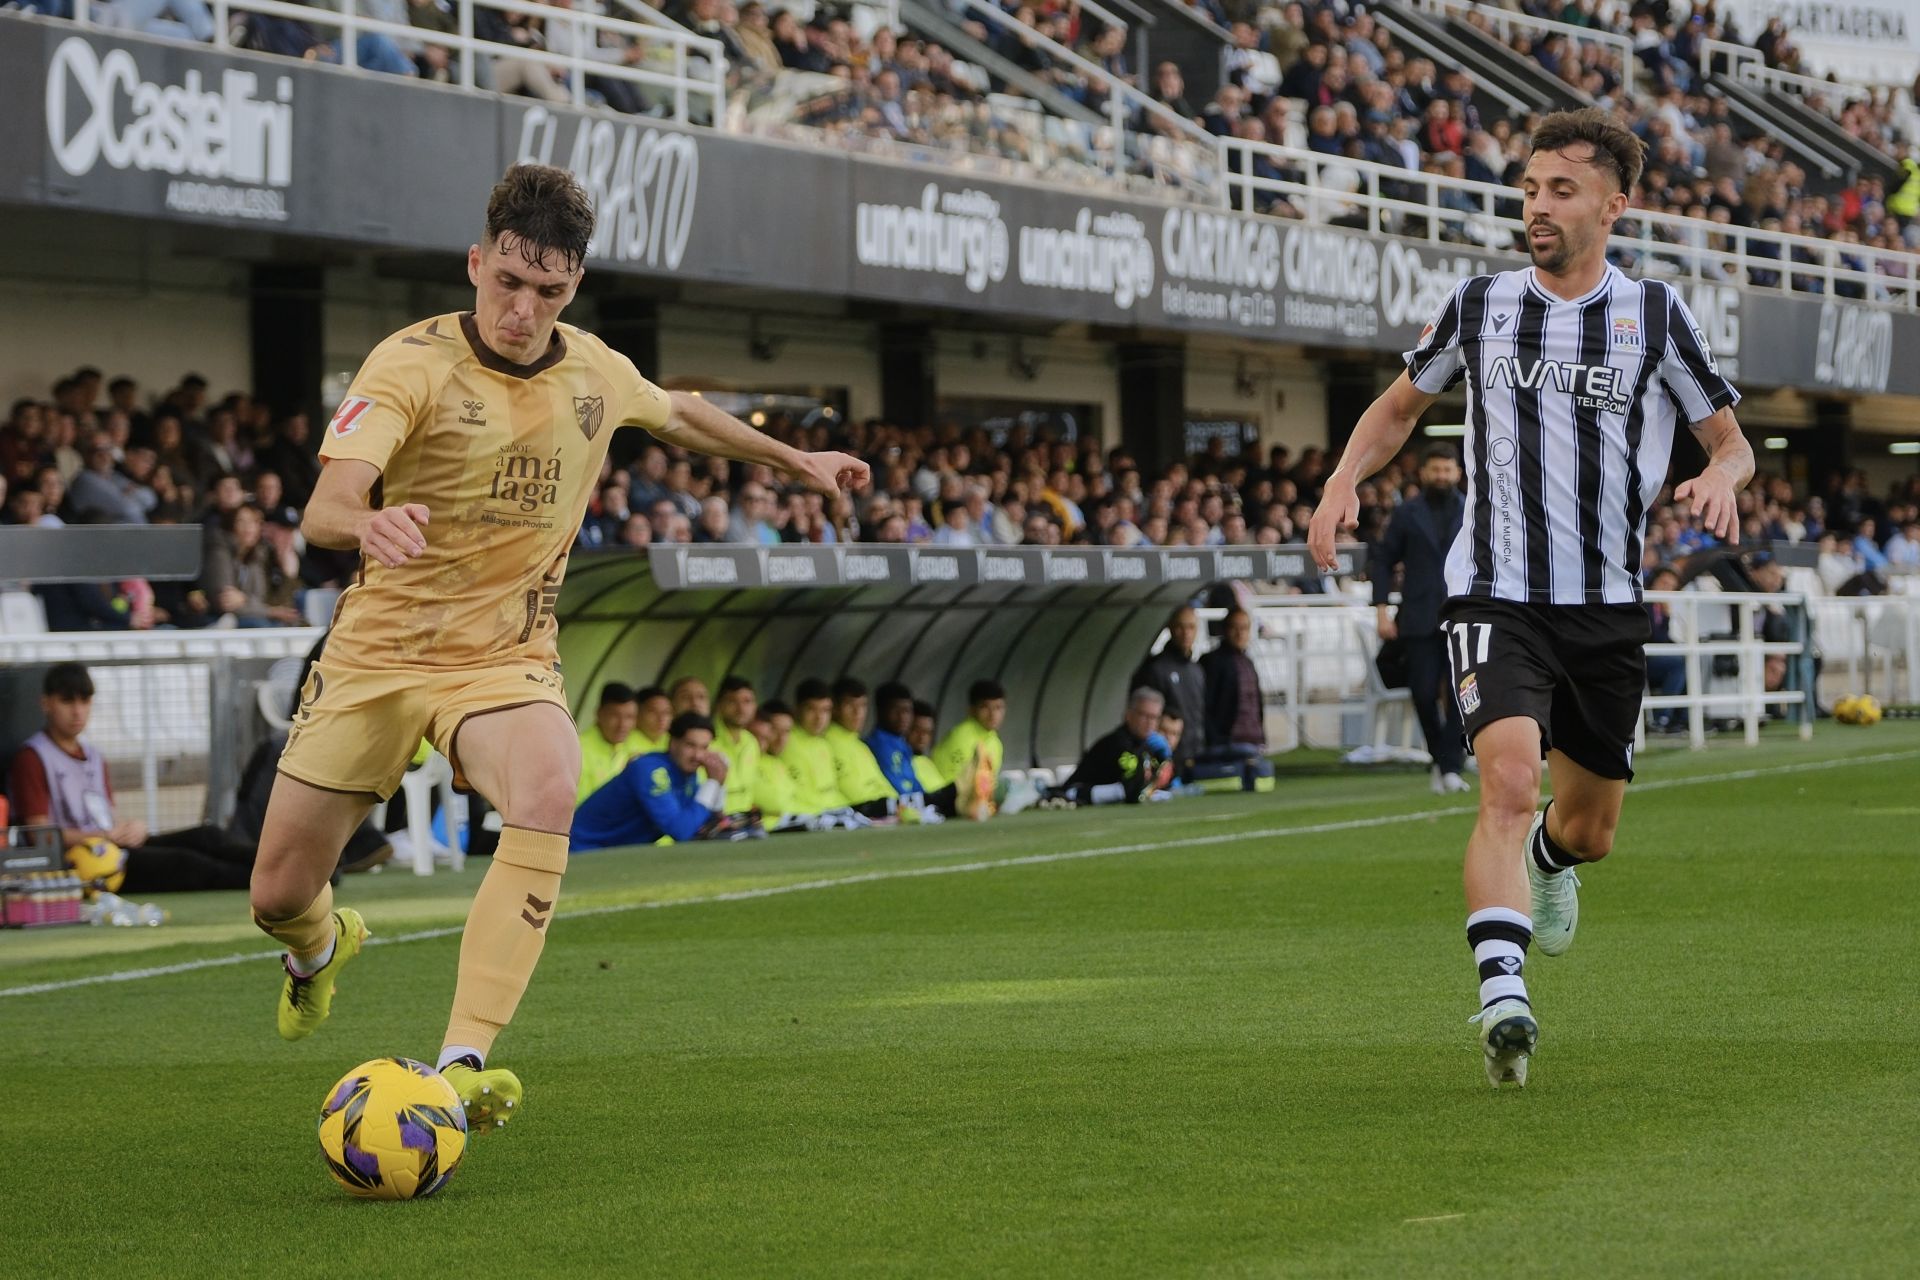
pixel 1377 439
pixel 694 424
pixel 338 516
pixel 1714 493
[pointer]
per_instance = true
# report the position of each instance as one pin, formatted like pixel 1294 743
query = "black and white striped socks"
pixel 1499 938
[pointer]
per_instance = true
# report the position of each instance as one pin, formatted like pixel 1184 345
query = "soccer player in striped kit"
pixel 1575 377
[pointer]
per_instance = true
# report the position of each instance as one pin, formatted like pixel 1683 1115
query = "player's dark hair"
pixel 891 692
pixel 615 693
pixel 847 687
pixel 1439 451
pixel 649 693
pixel 733 684
pixel 1615 149
pixel 67 680
pixel 686 722
pixel 773 707
pixel 923 708
pixel 546 212
pixel 121 381
pixel 1169 712
pixel 984 691
pixel 812 691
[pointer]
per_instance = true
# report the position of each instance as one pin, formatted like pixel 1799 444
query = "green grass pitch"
pixel 1231 1041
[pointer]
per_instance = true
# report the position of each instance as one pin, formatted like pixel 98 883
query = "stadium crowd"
pixel 1316 74
pixel 104 452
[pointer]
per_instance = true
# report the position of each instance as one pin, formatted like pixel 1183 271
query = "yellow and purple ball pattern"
pixel 392 1129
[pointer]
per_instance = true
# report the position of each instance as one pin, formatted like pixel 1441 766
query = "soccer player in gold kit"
pixel 460 465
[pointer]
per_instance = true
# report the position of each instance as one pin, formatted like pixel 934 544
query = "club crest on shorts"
pixel 588 411
pixel 1469 694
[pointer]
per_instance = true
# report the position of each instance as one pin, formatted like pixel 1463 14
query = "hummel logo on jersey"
pixel 1593 386
pixel 1500 322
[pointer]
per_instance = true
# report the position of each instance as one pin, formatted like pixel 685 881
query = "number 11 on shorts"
pixel 1471 640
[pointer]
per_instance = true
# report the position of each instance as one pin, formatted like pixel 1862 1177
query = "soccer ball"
pixel 392 1129
pixel 1860 708
pixel 100 863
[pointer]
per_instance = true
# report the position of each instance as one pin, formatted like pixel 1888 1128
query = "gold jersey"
pixel 505 458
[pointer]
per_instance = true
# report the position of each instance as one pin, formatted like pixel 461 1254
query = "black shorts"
pixel 1578 670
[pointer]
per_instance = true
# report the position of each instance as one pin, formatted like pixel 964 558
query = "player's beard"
pixel 1557 256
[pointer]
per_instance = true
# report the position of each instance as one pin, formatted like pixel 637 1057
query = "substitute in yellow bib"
pixel 807 753
pixel 855 767
pixel 733 738
pixel 459 466
pixel 609 742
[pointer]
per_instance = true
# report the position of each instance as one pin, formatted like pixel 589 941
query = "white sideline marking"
pixel 1438 1217
pixel 945 869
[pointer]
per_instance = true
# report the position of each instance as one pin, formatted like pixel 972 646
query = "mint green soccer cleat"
pixel 1507 1034
pixel 1556 899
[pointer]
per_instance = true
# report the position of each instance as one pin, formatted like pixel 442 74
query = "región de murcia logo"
pixel 522 477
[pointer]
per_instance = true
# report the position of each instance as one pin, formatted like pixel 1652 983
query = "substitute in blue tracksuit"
pixel 888 741
pixel 657 794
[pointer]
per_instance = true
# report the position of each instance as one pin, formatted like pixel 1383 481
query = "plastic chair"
pixel 418 786
pixel 22 614
pixel 274 694
pixel 1380 698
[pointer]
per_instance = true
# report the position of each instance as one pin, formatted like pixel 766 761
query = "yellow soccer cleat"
pixel 489 1094
pixel 306 1002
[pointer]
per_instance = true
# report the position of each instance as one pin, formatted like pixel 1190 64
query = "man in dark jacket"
pixel 1235 727
pixel 1175 676
pixel 1416 540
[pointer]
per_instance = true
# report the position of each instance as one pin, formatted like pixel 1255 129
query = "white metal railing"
pixel 1744 695
pixel 1504 22
pixel 1459 210
pixel 1122 101
pixel 1747 64
pixel 684 80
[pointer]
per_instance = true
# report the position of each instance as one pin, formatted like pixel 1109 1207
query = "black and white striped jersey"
pixel 1570 413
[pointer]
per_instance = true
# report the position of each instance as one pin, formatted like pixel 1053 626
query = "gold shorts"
pixel 356 729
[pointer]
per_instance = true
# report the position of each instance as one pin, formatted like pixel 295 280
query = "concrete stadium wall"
pixel 808 351
pixel 120 306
